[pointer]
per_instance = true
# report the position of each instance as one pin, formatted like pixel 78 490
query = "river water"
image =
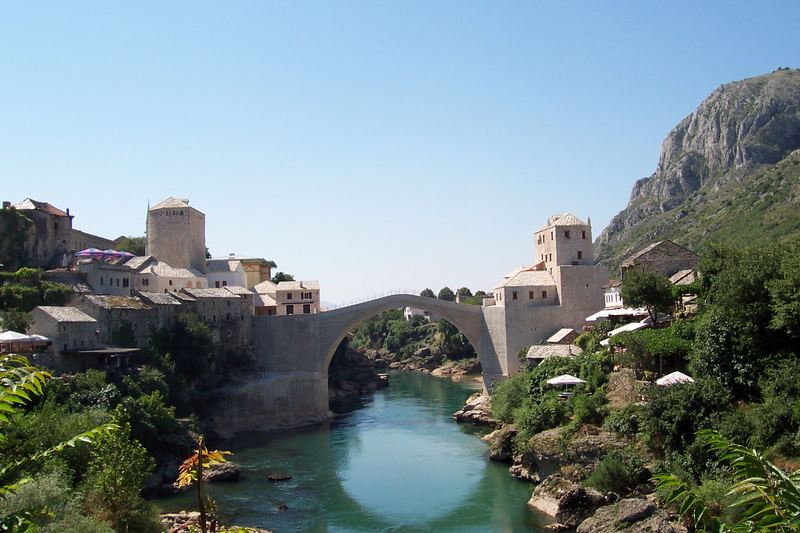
pixel 397 462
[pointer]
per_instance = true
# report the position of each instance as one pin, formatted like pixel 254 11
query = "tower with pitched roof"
pixel 176 234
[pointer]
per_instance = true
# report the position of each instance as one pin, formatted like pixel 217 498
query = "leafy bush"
pixel 674 414
pixel 625 421
pixel 589 408
pixel 115 479
pixel 619 471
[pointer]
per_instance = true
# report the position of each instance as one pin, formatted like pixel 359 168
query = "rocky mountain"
pixel 728 172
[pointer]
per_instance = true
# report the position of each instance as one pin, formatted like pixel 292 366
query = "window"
pixel 188 284
pixel 117 282
pixel 101 280
pixel 544 294
pixel 228 316
pixel 514 295
pixel 580 254
pixel 566 234
pixel 170 282
pixel 271 312
pixel 306 309
pixel 305 296
pixel 530 295
pixel 552 235
pixel 583 234
pixel 224 283
pixel 550 257
pixel 288 295
pixel 146 281
pixel 216 284
pixel 289 309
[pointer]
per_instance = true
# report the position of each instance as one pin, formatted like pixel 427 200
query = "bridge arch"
pixel 336 324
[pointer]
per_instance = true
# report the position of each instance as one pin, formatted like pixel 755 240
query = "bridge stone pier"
pixel 293 353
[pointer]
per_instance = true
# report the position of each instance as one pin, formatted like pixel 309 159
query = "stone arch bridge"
pixel 293 353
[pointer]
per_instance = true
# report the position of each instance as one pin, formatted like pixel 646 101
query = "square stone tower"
pixel 176 234
pixel 564 240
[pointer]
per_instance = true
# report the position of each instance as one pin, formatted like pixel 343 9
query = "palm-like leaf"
pixel 768 498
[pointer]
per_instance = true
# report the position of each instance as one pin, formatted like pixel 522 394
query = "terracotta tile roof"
pixel 29 204
pixel 66 314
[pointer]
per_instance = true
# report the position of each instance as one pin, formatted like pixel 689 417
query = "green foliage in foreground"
pixel 766 499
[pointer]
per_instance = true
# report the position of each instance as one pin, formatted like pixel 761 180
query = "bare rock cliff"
pixel 740 129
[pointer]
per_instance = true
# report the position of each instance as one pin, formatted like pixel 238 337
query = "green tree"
pixel 766 499
pixel 464 292
pixel 642 288
pixel 785 292
pixel 281 276
pixel 427 293
pixel 446 294
pixel 116 476
pixel 20 383
pixel 134 245
pixel 15 320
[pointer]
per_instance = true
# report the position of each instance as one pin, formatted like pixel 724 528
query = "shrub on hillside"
pixel 620 471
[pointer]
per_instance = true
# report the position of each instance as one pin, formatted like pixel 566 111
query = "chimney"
pixel 68 211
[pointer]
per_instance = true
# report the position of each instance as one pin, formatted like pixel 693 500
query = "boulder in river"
pixel 277 477
pixel 570 503
pixel 477 410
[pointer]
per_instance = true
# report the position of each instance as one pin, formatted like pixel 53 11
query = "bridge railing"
pixel 331 307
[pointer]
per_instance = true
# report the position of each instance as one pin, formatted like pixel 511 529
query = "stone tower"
pixel 564 240
pixel 176 234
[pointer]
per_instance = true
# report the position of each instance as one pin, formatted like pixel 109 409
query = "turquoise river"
pixel 397 462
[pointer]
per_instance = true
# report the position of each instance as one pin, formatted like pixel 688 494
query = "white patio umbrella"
pixel 674 379
pixel 13 336
pixel 565 379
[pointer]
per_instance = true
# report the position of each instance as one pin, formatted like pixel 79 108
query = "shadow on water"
pixel 396 463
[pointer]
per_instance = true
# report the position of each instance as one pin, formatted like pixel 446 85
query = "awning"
pixel 565 379
pixel 625 311
pixel 674 379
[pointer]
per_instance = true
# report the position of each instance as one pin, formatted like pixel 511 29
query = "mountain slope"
pixel 730 171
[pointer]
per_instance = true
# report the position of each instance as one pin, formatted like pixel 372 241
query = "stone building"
pixel 558 291
pixel 70 330
pixel 664 257
pixel 224 272
pixel 257 270
pixel 118 316
pixel 106 278
pixel 50 241
pixel 176 234
pixel 153 275
pixel 297 297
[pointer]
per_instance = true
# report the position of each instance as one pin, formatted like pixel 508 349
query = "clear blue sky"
pixel 371 145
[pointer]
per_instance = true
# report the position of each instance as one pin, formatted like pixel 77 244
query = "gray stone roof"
pixel 629 261
pixel 683 277
pixel 565 219
pixel 222 265
pixel 210 293
pixel 159 298
pixel 298 285
pixel 161 269
pixel 65 314
pixel 182 296
pixel 138 261
pixel 116 302
pixel 529 278
pixel 265 287
pixel 543 351
pixel 172 202
pixel 561 334
pixel 239 291
pixel 265 300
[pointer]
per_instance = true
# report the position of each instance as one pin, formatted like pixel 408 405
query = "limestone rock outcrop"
pixel 477 410
pixel 632 515
pixel 570 503
pixel 710 156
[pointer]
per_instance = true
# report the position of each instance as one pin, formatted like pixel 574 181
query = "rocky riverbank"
pixel 559 461
pixel 350 375
pixel 428 359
